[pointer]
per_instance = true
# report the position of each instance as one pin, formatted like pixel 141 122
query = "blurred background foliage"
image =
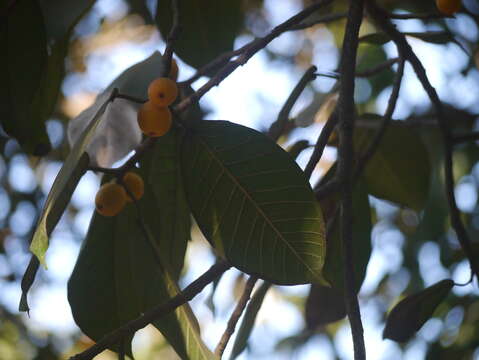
pixel 86 44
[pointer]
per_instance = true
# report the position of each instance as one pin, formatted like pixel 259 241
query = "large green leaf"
pixel 22 63
pixel 410 314
pixel 118 275
pixel 253 203
pixel 400 169
pixel 208 28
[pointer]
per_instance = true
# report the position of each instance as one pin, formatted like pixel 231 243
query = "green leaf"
pixel 435 37
pixel 400 169
pixel 118 275
pixel 174 220
pixel 249 319
pixel 72 170
pixel 438 37
pixel 22 63
pixel 410 314
pixel 208 28
pixel 324 305
pixel 253 203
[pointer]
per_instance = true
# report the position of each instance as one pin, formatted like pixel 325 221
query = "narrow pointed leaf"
pixel 410 314
pixel 63 186
pixel 253 203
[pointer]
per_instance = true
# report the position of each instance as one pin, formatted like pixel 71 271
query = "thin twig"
pixel 373 146
pixel 276 129
pixel 426 16
pixel 155 313
pixel 323 138
pixel 461 138
pixel 172 36
pixel 405 49
pixel 130 98
pixel 321 20
pixel 346 114
pixel 377 69
pixel 238 311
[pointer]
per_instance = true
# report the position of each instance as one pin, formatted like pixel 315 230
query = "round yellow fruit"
pixel 110 199
pixel 154 121
pixel 135 185
pixel 162 92
pixel 448 7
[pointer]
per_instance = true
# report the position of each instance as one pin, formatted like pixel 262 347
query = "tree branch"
pixel 172 36
pixel 346 114
pixel 379 16
pixel 238 311
pixel 277 128
pixel 155 313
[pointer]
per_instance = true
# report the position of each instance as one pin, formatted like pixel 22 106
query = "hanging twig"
pixel 238 311
pixel 277 127
pixel 373 146
pixel 346 114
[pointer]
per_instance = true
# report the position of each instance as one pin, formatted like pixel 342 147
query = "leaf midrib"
pixel 255 205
